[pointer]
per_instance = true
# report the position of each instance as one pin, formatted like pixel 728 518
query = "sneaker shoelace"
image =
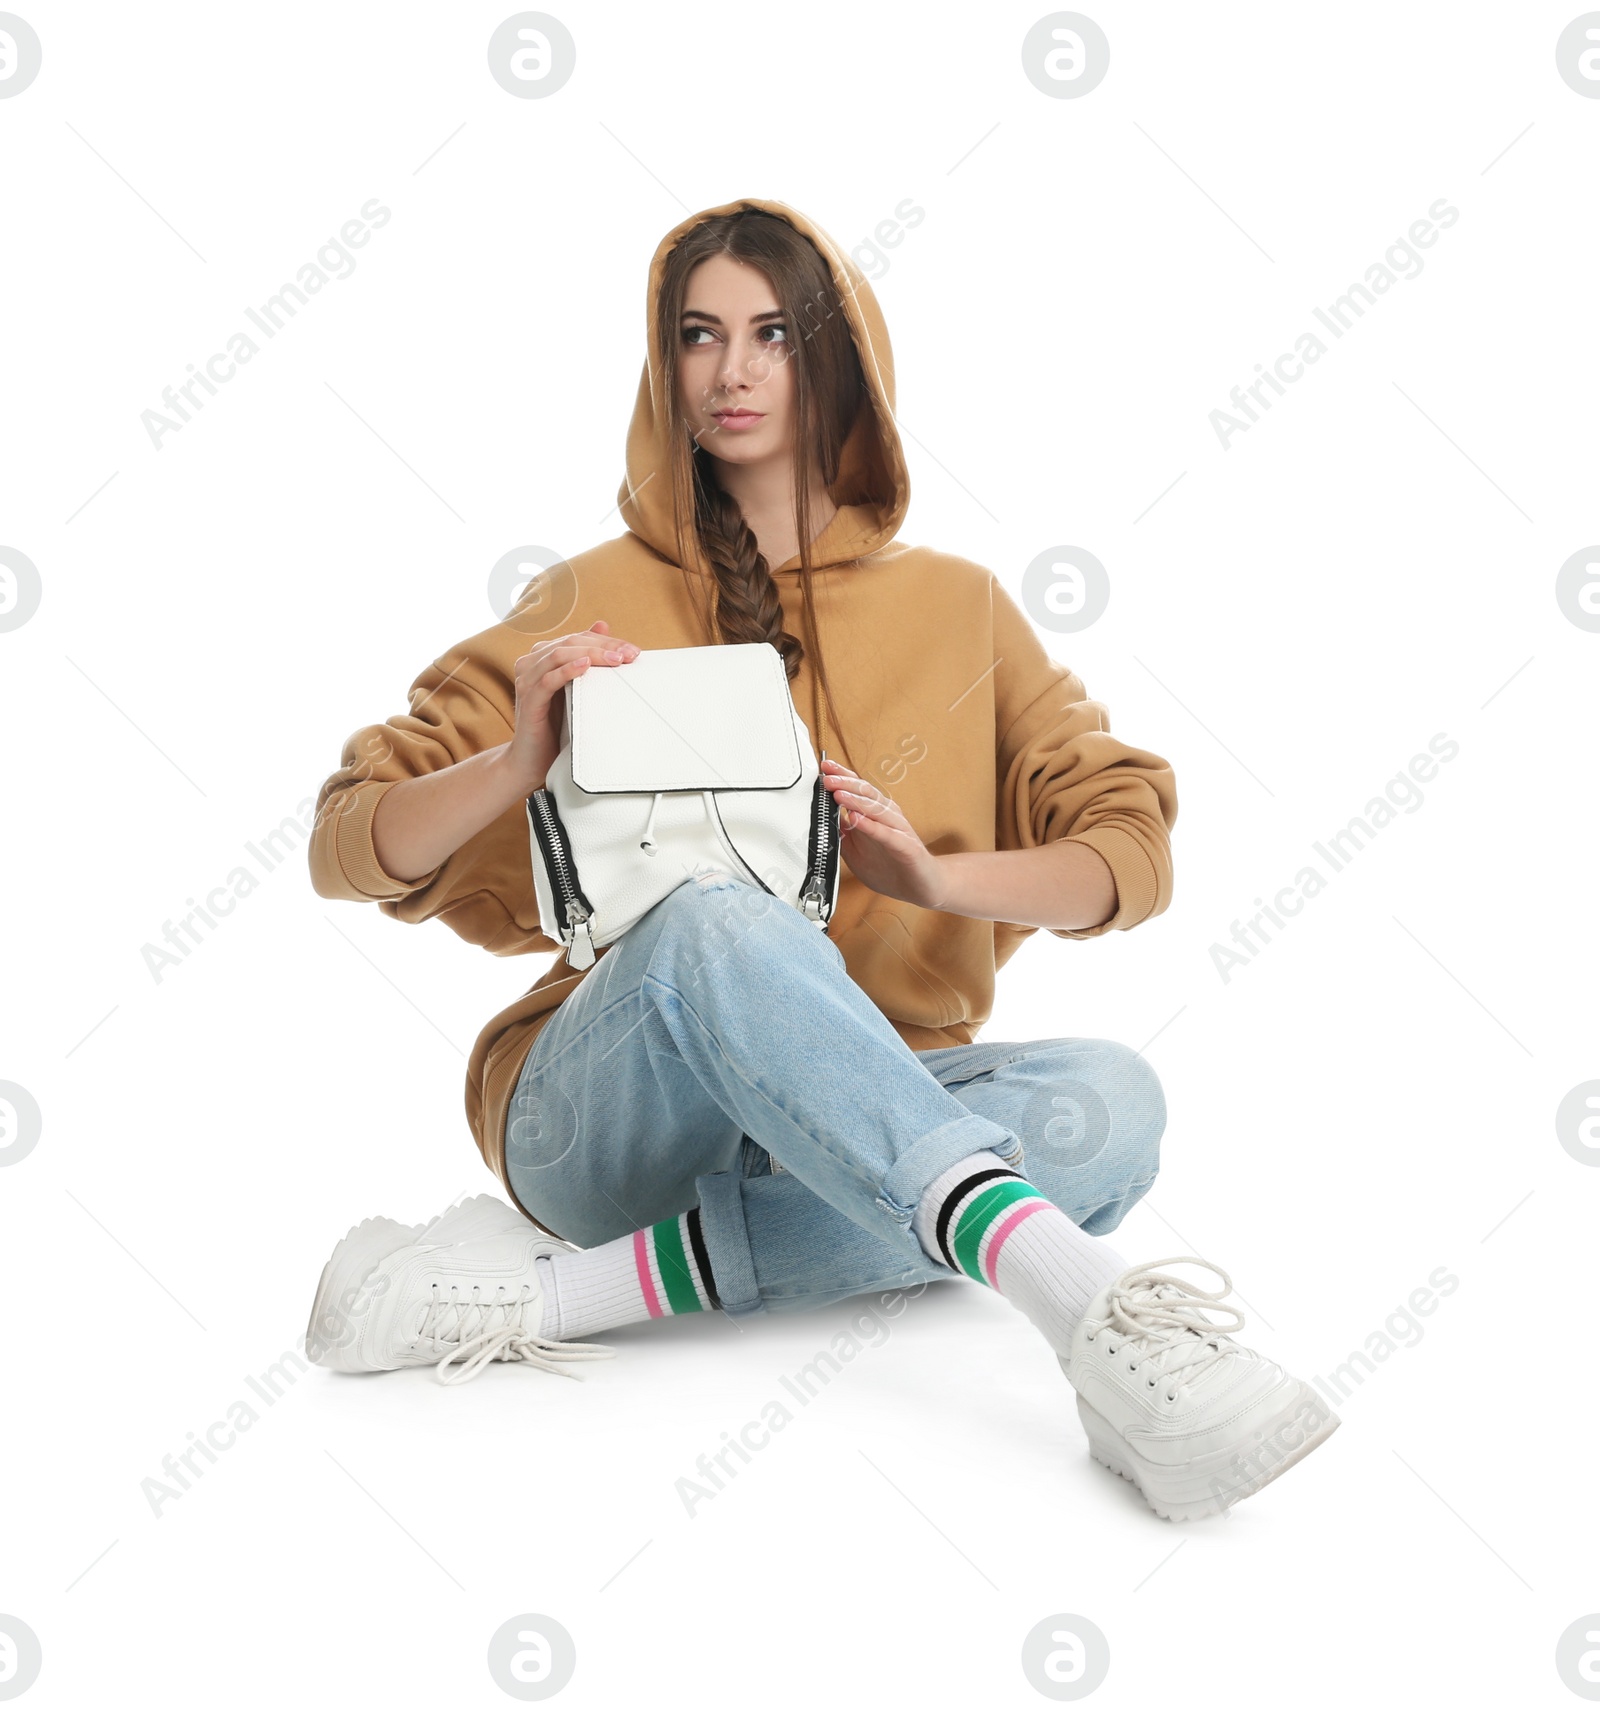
pixel 484 1332
pixel 1163 1315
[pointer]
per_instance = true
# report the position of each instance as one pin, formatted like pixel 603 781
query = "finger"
pixel 868 804
pixel 556 672
pixel 625 649
pixel 599 652
pixel 853 821
pixel 885 821
pixel 553 680
pixel 846 781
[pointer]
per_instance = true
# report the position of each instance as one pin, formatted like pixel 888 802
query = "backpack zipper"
pixel 814 895
pixel 576 911
pixel 571 905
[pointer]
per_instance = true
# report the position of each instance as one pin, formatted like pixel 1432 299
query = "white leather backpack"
pixel 675 762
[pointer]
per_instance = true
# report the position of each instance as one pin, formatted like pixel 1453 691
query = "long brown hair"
pixel 829 387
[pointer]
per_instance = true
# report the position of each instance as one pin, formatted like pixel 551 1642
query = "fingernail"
pixel 613 654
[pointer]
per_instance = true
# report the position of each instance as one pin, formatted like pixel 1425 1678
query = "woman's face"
pixel 736 383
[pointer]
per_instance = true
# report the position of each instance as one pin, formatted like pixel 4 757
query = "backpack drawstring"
pixel 647 844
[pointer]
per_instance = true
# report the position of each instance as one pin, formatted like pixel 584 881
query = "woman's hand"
pixel 542 675
pixel 882 848
pixel 421 821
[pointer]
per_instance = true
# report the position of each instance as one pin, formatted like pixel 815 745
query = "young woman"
pixel 729 1109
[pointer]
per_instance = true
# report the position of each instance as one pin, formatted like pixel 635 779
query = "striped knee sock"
pixel 662 1270
pixel 988 1221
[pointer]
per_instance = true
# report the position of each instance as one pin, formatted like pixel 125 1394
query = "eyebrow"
pixel 706 315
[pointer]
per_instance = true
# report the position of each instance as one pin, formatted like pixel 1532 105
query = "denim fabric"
pixel 721 1056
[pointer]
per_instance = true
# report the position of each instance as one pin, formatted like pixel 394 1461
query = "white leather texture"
pixel 669 722
pixel 705 751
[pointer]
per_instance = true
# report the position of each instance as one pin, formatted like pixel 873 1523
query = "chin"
pixel 739 451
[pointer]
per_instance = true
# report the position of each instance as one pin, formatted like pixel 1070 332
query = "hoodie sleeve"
pixel 484 891
pixel 1062 775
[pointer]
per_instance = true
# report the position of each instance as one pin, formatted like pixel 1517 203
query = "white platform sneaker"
pixel 460 1292
pixel 1193 1420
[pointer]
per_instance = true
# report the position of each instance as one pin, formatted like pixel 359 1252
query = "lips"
pixel 737 416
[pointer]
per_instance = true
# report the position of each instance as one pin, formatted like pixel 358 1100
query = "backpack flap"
pixel 717 718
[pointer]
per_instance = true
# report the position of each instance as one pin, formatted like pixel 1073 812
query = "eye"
pixel 689 333
pixel 778 328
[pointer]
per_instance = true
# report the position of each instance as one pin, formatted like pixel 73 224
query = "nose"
pixel 741 368
pixel 732 373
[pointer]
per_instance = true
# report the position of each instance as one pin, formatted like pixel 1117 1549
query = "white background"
pixel 1370 1099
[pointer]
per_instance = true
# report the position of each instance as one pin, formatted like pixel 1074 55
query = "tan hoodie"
pixel 947 699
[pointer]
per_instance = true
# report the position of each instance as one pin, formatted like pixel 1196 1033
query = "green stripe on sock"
pixel 979 1215
pixel 667 1236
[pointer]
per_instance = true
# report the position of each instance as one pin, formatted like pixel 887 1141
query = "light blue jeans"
pixel 720 1055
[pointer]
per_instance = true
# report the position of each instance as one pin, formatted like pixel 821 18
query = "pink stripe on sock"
pixel 1007 1226
pixel 641 1260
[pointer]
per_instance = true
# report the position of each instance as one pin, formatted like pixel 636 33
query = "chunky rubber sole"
pixel 486 1216
pixel 1203 1487
pixel 331 1331
pixel 478 1217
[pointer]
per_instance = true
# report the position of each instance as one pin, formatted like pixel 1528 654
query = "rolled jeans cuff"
pixel 938 1151
pixel 733 1269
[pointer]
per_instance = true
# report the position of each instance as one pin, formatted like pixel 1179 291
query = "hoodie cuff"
pixel 353 848
pixel 1132 871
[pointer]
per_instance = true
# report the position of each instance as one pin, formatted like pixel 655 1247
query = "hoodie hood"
pixel 873 489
